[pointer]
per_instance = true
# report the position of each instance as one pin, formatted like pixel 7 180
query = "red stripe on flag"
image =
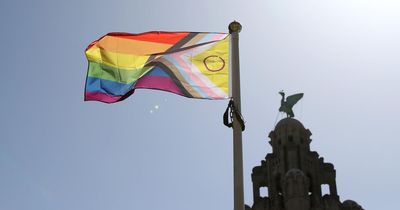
pixel 153 36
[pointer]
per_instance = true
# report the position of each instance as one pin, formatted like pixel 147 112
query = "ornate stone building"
pixel 292 175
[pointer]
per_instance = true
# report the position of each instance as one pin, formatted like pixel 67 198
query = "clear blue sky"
pixel 58 152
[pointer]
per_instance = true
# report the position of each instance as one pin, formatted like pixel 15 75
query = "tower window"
pixel 325 189
pixel 264 191
pixel 290 138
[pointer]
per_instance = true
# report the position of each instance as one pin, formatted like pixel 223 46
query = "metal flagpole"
pixel 234 29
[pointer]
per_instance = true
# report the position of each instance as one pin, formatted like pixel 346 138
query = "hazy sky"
pixel 58 152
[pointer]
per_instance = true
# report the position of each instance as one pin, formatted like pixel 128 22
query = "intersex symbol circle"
pixel 211 61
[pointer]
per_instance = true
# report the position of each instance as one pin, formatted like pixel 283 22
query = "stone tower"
pixel 293 174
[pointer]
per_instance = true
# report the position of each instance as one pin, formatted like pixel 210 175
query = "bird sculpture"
pixel 286 106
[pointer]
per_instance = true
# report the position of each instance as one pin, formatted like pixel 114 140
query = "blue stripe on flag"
pixel 157 71
pixel 94 84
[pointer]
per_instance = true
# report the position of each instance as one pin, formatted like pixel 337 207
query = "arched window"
pixel 264 191
pixel 325 189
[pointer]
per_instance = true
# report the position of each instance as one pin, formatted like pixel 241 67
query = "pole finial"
pixel 235 27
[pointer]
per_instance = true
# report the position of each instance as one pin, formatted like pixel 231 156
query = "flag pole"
pixel 234 29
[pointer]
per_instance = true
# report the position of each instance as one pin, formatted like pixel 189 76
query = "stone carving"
pixel 287 105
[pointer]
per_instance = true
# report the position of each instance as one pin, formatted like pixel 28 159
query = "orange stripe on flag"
pixel 135 47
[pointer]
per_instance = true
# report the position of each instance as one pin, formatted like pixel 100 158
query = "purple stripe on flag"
pixel 158 83
pixel 97 96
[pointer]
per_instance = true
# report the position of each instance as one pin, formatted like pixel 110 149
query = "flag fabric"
pixel 191 64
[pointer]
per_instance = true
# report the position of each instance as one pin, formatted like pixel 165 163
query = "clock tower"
pixel 292 175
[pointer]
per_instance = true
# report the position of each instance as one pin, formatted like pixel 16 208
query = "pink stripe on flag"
pixel 96 96
pixel 218 37
pixel 158 83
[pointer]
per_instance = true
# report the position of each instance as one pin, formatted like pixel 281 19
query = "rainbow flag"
pixel 189 64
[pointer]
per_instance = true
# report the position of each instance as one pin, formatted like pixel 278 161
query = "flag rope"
pixel 228 115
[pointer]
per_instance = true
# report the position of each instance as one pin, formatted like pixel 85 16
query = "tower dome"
pixel 351 205
pixel 289 121
pixel 289 132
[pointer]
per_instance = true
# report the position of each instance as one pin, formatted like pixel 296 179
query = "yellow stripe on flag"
pixel 116 60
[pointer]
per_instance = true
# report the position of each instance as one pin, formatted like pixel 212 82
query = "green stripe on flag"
pixel 117 75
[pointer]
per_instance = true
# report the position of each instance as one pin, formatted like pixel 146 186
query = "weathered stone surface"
pixel 293 174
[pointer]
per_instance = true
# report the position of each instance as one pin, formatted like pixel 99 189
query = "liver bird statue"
pixel 286 106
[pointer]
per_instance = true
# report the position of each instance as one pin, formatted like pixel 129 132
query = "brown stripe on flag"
pixel 195 40
pixel 182 42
